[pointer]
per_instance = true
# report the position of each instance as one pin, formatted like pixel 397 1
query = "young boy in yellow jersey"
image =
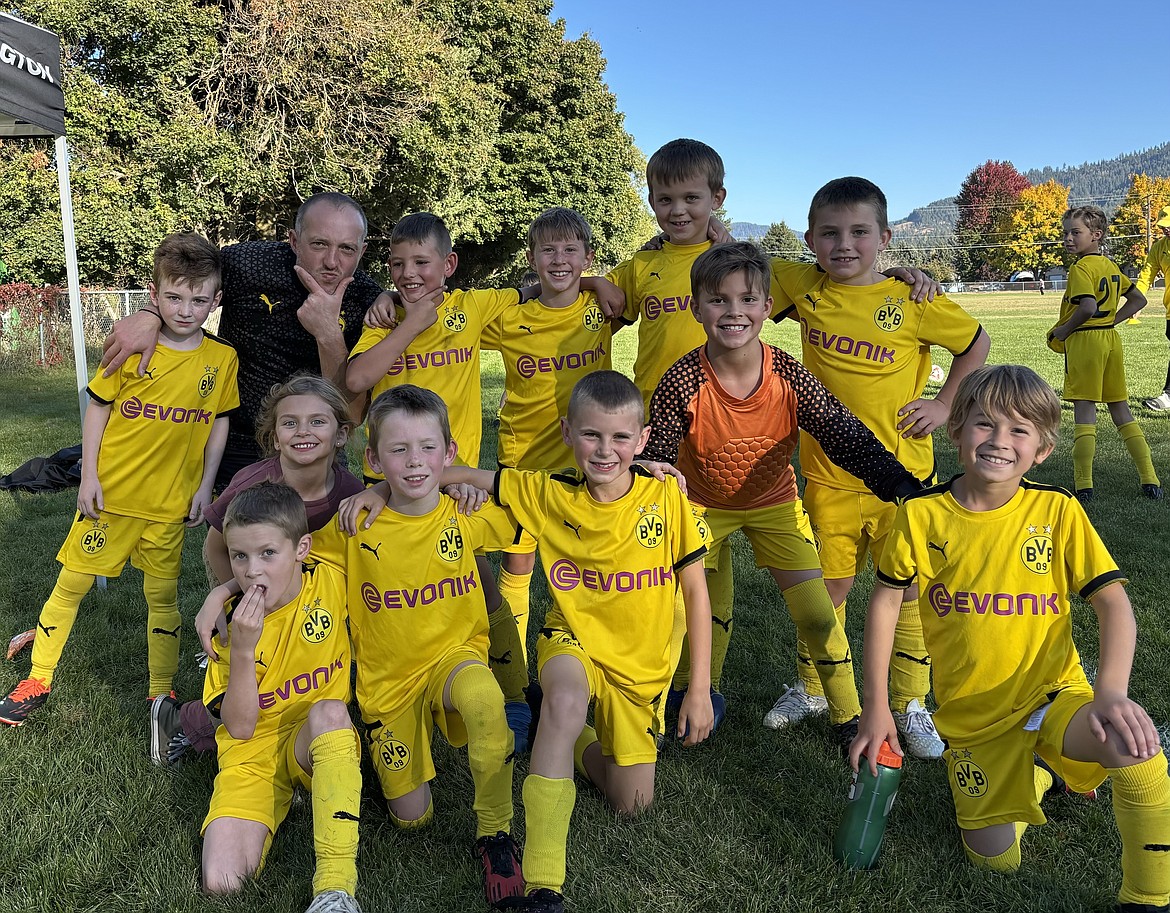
pixel 616 544
pixel 1158 261
pixel 727 414
pixel 279 680
pixel 420 635
pixel 436 345
pixel 548 344
pixel 168 427
pixel 997 558
pixel 868 341
pixel 1094 363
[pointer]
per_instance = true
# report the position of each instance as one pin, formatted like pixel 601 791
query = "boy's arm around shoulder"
pixel 668 412
pixel 921 416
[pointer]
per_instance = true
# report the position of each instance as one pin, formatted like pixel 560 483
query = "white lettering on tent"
pixel 13 57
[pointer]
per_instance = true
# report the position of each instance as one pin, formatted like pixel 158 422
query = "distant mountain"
pixel 1104 183
pixel 748 231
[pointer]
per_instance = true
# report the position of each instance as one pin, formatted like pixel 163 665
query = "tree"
pixel 222 117
pixel 987 191
pixel 1030 231
pixel 782 241
pixel 1132 230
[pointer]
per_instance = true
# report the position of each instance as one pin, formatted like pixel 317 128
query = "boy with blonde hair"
pixel 168 426
pixel 867 339
pixel 728 414
pixel 1094 363
pixel 279 680
pixel 999 557
pixel 617 546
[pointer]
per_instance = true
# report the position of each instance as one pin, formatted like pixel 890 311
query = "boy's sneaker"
pixel 501 867
pixel 168 742
pixel 1084 495
pixel 334 902
pixel 794 705
pixel 542 900
pixel 1159 403
pixel 1151 491
pixel 718 706
pixel 23 700
pixel 519 716
pixel 846 732
pixel 917 733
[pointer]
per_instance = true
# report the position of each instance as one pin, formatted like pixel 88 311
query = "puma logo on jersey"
pixel 149 373
pixel 48 631
pixel 725 625
pixel 373 551
pixel 811 300
pixel 174 633
pixel 260 661
pixel 504 660
pixel 576 529
pixel 941 549
pixel 268 303
pixel 657 276
pixel 523 327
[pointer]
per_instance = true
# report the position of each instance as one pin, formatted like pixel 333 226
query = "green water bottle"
pixel 859 836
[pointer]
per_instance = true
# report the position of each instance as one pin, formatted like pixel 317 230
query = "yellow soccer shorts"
pixel 401 746
pixel 847 525
pixel 101 547
pixel 992 782
pixel 781 535
pixel 1094 367
pixel 627 729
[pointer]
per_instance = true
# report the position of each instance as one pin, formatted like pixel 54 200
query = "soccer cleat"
pixel 519 716
pixel 542 900
pixel 501 867
pixel 1084 495
pixel 334 902
pixel 718 706
pixel 168 742
pixel 1159 403
pixel 794 705
pixel 917 733
pixel 1151 491
pixel 23 700
pixel 846 732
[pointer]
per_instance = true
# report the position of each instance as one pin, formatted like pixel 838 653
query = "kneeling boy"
pixel 997 556
pixel 280 684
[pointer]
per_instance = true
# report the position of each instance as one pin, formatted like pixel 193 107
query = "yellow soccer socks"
pixel 805 668
pixel 476 698
pixel 910 663
pixel 1084 447
pixel 1007 861
pixel 163 625
pixel 817 626
pixel 515 590
pixel 56 621
pixel 1141 805
pixel 1139 452
pixel 337 790
pixel 548 807
pixel 506 652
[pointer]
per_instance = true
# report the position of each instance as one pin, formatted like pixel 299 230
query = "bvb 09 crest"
pixel 650 530
pixel 207 381
pixel 455 320
pixel 889 316
pixel 1036 553
pixel 450 544
pixel 593 319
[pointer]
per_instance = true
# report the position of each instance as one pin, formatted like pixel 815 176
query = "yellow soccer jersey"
pixel 995 591
pixel 303 657
pixel 151 459
pixel 870 346
pixel 445 358
pixel 612 568
pixel 1098 277
pixel 1157 261
pixel 546 351
pixel 415 594
pixel 657 285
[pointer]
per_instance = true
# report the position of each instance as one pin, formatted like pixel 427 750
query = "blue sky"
pixel 910 95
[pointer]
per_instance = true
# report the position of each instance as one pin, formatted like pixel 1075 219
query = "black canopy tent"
pixel 32 103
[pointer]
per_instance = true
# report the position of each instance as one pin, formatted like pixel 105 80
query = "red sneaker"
pixel 500 858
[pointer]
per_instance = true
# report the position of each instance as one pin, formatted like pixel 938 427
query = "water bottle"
pixel 859 837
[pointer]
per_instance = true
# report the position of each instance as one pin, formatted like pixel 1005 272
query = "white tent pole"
pixel 72 276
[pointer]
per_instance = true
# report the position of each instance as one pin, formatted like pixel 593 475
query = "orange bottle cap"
pixel 886 756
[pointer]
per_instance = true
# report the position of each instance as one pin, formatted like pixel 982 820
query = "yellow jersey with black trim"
pixel 870 346
pixel 445 358
pixel 1097 277
pixel 151 459
pixel 545 351
pixel 994 594
pixel 1157 261
pixel 303 657
pixel 415 594
pixel 612 567
pixel 657 286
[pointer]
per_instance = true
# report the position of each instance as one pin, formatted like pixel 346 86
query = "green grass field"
pixel 742 823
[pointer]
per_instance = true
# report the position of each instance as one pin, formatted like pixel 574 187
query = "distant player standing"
pixel 1158 261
